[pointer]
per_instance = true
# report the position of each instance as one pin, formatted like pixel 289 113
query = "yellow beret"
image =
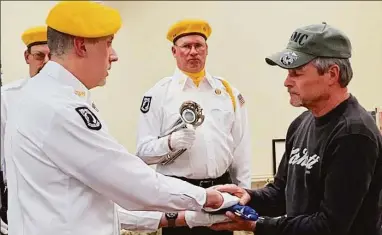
pixel 188 27
pixel 86 19
pixel 34 35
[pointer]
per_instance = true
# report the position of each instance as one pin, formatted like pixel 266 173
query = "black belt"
pixel 4 199
pixel 206 183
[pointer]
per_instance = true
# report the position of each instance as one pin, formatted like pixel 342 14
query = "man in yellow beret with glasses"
pixel 37 52
pixel 218 151
pixel 65 172
pixel 36 55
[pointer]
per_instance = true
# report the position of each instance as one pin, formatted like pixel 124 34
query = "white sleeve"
pixel 3 120
pixel 240 169
pixel 81 147
pixel 149 146
pixel 139 220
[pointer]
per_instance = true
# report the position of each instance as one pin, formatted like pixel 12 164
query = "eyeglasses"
pixel 40 56
pixel 187 47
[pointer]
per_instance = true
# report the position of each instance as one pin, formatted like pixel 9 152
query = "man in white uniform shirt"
pixel 35 55
pixel 65 171
pixel 218 151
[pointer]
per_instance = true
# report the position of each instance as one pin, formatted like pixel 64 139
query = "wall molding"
pixel 257 178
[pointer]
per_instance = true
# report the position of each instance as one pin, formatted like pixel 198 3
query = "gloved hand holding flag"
pixel 231 203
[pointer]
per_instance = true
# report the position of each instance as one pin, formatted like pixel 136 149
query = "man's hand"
pixel 237 224
pixel 198 218
pixel 214 199
pixel 235 190
pixel 229 200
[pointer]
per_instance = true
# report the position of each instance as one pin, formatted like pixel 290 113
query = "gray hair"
pixel 58 42
pixel 323 64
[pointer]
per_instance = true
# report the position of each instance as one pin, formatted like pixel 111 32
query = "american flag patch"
pixel 241 99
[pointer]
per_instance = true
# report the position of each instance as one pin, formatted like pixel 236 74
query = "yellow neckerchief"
pixel 196 77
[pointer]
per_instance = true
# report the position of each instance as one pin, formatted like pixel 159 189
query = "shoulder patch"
pixel 146 102
pixel 241 99
pixel 91 120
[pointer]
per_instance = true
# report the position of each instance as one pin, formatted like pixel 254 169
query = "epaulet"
pixel 163 81
pixel 14 84
pixel 159 84
pixel 229 90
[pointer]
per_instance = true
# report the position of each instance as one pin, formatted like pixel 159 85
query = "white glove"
pixel 182 139
pixel 4 227
pixel 228 201
pixel 198 218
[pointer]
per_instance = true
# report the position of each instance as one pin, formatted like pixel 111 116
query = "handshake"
pixel 225 210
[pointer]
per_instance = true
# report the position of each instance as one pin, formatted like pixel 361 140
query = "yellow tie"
pixel 196 77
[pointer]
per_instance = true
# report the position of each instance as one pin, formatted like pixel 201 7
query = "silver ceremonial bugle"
pixel 190 113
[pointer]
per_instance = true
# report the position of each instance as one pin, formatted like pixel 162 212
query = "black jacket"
pixel 329 179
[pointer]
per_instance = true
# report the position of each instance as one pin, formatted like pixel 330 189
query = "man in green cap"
pixel 330 177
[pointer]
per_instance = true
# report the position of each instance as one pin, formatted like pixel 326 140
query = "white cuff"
pixel 198 219
pixel 139 220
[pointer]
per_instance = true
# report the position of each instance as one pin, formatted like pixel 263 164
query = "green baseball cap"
pixel 310 42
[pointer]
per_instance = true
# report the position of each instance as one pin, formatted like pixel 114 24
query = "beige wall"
pixel 243 34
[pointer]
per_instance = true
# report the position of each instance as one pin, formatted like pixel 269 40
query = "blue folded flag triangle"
pixel 245 212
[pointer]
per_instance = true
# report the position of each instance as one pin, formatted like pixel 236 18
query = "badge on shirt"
pixel 89 118
pixel 218 91
pixel 146 102
pixel 80 93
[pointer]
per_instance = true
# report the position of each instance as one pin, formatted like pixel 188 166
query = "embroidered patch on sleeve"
pixel 91 120
pixel 241 99
pixel 146 103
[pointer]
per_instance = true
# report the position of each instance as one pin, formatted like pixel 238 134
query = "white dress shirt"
pixel 66 172
pixel 9 93
pixel 222 141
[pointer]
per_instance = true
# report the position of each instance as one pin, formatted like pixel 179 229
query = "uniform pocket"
pixel 223 117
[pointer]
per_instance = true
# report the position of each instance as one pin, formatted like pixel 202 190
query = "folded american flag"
pixel 245 212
